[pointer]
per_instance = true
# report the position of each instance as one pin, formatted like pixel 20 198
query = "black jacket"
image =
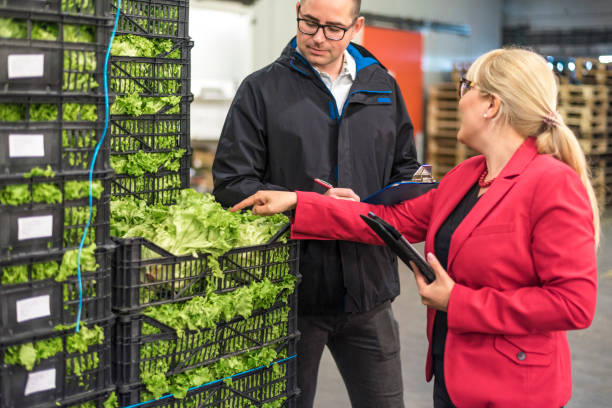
pixel 284 129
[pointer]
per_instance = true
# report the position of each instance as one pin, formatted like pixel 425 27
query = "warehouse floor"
pixel 591 348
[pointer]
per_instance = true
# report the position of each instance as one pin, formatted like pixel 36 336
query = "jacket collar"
pixel 363 58
pixel 498 190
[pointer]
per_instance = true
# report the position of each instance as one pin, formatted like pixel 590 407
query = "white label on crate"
pixel 26 65
pixel 35 227
pixel 26 146
pixel 40 381
pixel 33 308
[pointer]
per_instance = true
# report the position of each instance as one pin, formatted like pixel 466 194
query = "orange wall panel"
pixel 401 53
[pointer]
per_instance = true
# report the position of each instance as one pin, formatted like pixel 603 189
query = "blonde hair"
pixel 528 92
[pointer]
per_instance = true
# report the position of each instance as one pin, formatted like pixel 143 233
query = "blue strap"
pixel 93 163
pixel 212 382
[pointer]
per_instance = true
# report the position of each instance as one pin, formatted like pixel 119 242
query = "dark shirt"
pixel 442 246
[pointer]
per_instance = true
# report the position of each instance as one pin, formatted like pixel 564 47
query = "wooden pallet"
pixel 586 95
pixel 440 170
pixel 443 109
pixel 601 178
pixel 448 148
pixel 459 71
pixel 587 125
pixel 442 126
pixel 584 119
pixel 574 111
pixel 601 194
pixel 599 182
pixel 594 143
pixel 444 92
pixel 599 73
pixel 445 153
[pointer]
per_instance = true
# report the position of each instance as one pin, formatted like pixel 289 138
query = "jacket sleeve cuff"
pixel 306 202
pixel 458 315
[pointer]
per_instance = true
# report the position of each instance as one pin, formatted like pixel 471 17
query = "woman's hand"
pixel 268 202
pixel 342 194
pixel 437 293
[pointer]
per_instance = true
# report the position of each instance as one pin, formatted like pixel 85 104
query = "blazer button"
pixel 521 355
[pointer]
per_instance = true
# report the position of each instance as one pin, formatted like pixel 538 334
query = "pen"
pixel 323 183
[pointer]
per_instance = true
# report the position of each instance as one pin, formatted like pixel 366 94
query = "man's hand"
pixel 342 194
pixel 437 293
pixel 268 202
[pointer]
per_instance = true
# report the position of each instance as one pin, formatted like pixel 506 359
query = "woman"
pixel 514 232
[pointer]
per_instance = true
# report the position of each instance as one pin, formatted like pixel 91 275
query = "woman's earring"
pixel 485 115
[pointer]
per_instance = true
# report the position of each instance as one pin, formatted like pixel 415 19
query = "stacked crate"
pixel 157 361
pixel 154 357
pixel 51 119
pixel 443 150
pixel 149 75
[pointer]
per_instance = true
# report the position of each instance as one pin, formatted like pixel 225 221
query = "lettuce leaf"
pixel 10 28
pixel 137 46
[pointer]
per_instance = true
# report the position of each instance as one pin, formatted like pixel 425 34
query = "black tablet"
pixel 399 245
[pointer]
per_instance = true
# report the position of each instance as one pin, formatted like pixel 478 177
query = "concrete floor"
pixel 591 348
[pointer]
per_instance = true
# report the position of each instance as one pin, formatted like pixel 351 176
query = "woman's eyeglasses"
pixel 464 86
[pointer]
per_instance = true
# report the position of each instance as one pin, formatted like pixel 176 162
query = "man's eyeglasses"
pixel 464 86
pixel 331 32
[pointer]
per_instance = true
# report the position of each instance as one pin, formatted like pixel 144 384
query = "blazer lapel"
pixel 500 187
pixel 459 186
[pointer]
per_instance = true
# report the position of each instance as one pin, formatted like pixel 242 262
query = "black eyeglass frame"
pixel 323 26
pixel 464 86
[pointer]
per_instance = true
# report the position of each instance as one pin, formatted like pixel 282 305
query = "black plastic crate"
pixel 71 373
pixel 251 388
pixel 147 275
pixel 149 133
pixel 67 147
pixel 31 228
pixel 37 306
pixel 161 75
pixel 153 18
pixel 162 187
pixel 64 139
pixel 141 342
pixel 65 8
pixel 158 133
pixel 54 56
pixel 91 399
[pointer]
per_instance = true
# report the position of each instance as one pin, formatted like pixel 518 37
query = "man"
pixel 328 109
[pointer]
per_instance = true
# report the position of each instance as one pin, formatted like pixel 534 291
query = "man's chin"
pixel 316 59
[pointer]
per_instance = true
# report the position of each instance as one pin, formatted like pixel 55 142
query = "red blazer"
pixel 525 269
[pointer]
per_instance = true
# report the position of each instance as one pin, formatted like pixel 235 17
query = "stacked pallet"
pixel 592 72
pixel 443 150
pixel 51 120
pixel 587 109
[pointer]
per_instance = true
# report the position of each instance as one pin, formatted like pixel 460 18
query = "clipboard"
pixel 399 245
pixel 398 192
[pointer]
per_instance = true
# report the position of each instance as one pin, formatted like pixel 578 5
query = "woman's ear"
pixel 494 106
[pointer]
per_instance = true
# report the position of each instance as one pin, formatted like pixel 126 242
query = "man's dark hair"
pixel 356 7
